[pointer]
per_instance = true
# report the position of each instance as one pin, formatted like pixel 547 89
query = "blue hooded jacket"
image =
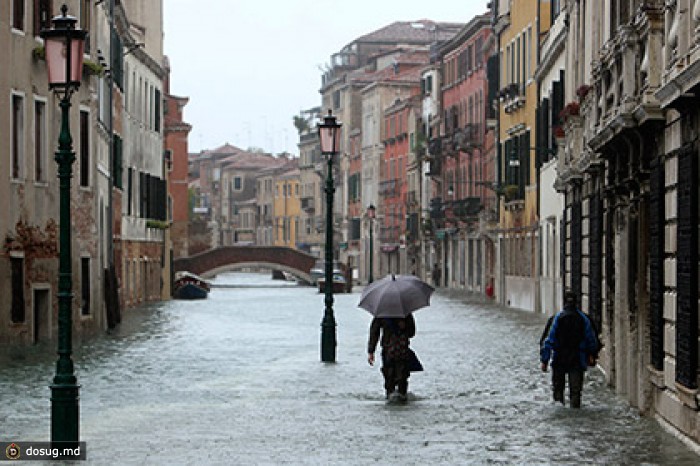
pixel 570 341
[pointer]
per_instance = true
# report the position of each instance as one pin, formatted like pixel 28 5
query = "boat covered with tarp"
pixel 190 286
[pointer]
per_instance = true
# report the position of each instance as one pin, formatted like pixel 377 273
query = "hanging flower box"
pixel 569 110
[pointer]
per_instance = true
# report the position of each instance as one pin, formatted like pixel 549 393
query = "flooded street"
pixel 236 379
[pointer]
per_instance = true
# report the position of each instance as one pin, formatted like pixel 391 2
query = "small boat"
pixel 190 286
pixel 339 284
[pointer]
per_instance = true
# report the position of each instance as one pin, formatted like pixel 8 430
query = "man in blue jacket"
pixel 572 345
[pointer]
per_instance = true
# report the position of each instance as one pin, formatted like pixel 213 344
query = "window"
pixel 18 310
pixel 42 15
pixel 130 190
pixel 17 136
pixel 84 21
pixel 517 60
pixel 529 52
pixel 168 155
pixel 555 6
pixel 40 144
pixel 85 285
pixel 237 183
pixel 479 58
pixel 157 111
pixel 336 99
pixel 117 60
pixel 84 148
pixel 18 15
pixel 117 161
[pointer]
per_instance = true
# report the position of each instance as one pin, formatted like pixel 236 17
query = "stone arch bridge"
pixel 210 263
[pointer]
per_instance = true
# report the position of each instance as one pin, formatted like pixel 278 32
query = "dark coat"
pixel 383 325
pixel 570 340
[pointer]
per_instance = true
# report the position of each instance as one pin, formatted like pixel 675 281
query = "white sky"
pixel 249 66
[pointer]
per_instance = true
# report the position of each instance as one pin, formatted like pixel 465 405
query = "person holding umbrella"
pixel 392 301
pixel 395 335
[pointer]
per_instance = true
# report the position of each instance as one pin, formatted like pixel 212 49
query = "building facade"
pixel 518 27
pixel 464 183
pixel 29 218
pixel 176 160
pixel 138 168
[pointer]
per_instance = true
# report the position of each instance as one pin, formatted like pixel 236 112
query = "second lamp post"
pixel 329 135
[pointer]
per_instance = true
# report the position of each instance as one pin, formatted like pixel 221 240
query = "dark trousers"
pixel 575 385
pixel 396 375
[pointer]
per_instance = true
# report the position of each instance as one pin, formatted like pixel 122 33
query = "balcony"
pixel 512 97
pixel 681 71
pixel 464 139
pixel 621 103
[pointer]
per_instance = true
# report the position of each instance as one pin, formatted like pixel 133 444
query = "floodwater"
pixel 237 379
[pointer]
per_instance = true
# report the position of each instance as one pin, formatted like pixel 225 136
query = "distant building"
pixel 311 179
pixel 344 92
pixel 176 160
pixel 287 208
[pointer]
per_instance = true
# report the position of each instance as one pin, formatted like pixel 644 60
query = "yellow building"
pixel 287 209
pixel 518 26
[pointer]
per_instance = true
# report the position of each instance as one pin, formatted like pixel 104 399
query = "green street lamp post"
pixel 371 212
pixel 64 45
pixel 329 135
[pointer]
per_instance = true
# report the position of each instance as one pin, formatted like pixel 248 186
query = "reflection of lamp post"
pixel 329 135
pixel 371 211
pixel 64 45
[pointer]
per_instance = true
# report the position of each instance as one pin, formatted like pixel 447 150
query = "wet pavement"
pixel 236 379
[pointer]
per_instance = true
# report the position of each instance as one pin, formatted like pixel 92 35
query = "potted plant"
pixel 569 110
pixel 91 68
pixel 511 192
pixel 39 53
